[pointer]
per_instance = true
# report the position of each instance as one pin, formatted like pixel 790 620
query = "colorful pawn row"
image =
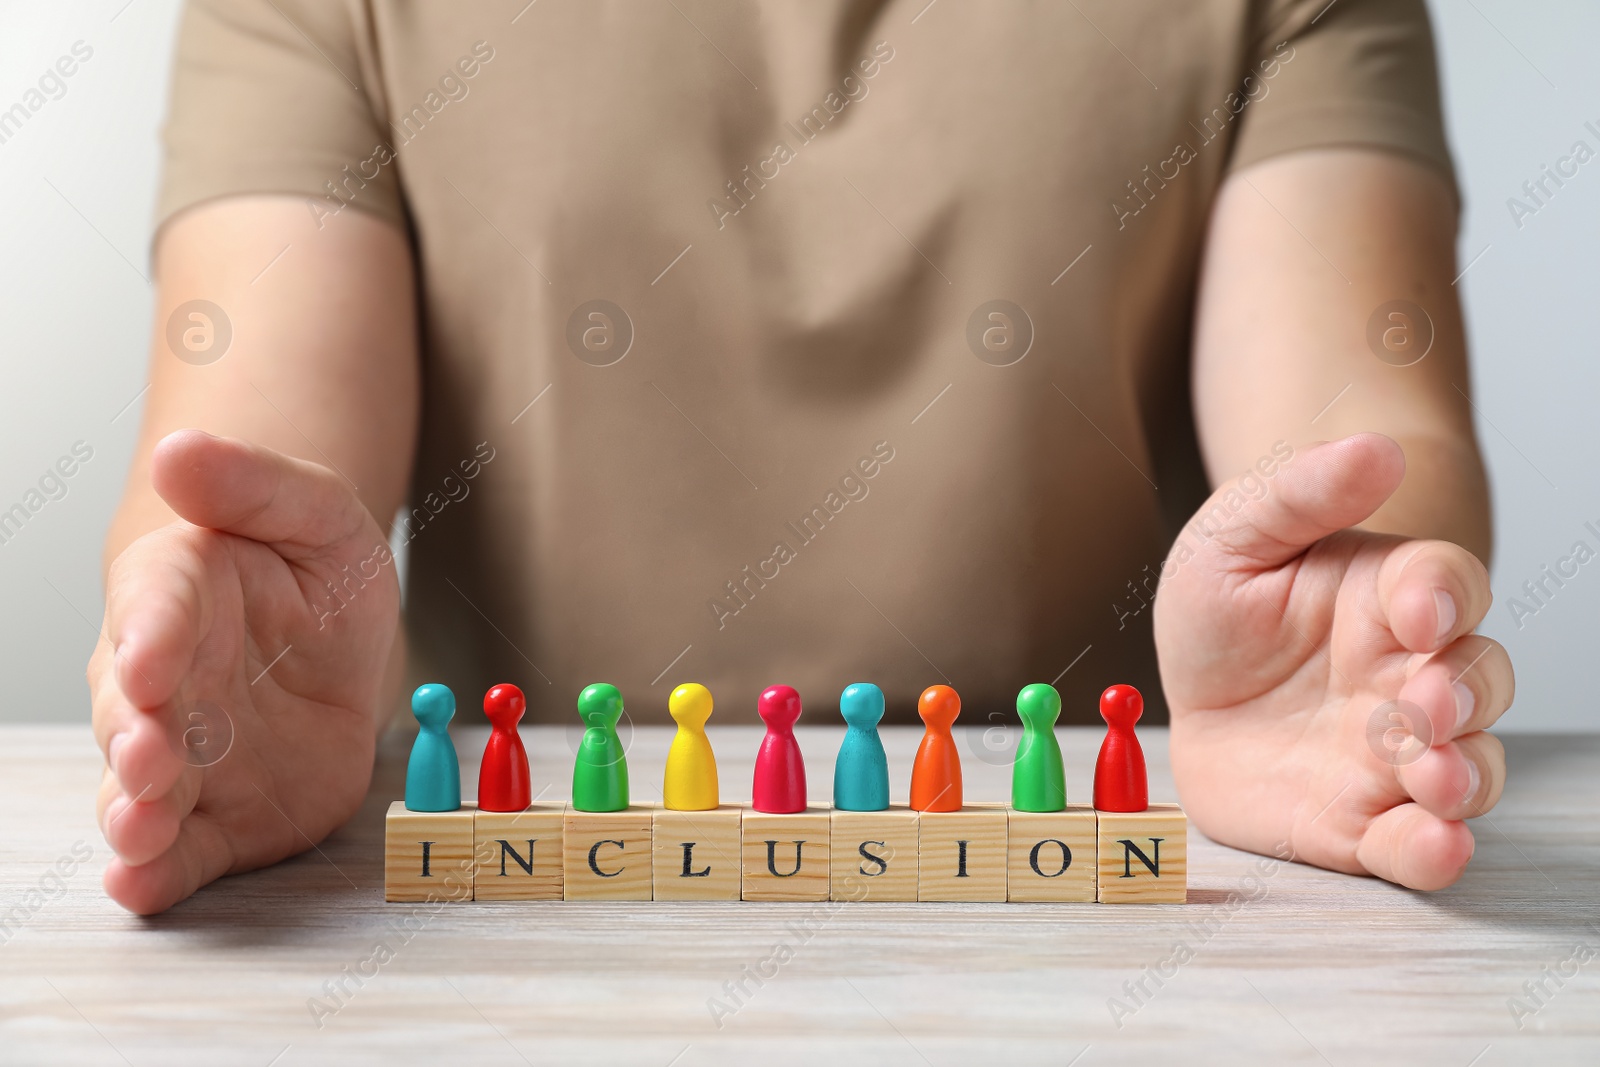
pixel 690 783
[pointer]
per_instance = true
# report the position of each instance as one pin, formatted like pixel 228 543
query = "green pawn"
pixel 1038 780
pixel 600 776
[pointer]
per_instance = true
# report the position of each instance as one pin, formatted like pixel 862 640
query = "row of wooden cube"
pixel 984 852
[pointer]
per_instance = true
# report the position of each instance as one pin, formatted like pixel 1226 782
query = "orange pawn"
pixel 936 773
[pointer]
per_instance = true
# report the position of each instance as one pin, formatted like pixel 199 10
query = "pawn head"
pixel 1039 705
pixel 861 704
pixel 433 704
pixel 504 704
pixel 779 706
pixel 690 705
pixel 600 705
pixel 1121 705
pixel 939 705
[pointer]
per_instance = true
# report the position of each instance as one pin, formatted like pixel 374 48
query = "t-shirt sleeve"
pixel 1349 73
pixel 275 96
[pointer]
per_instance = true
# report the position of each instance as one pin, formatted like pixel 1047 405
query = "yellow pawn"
pixel 690 782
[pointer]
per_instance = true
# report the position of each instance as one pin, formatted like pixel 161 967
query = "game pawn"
pixel 1142 848
pixel 936 772
pixel 690 780
pixel 783 842
pixel 1119 772
pixel 1038 777
pixel 427 838
pixel 600 773
pixel 780 776
pixel 873 845
pixel 433 774
pixel 503 780
pixel 861 771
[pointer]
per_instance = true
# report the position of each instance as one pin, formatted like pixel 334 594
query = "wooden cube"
pixel 1144 856
pixel 785 856
pixel 606 854
pixel 427 855
pixel 962 854
pixel 518 853
pixel 696 854
pixel 873 854
pixel 1051 855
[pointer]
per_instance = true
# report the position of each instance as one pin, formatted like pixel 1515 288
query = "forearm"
pixel 1303 252
pixel 322 363
pixel 1445 496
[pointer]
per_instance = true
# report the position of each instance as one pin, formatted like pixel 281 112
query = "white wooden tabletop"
pixel 1293 965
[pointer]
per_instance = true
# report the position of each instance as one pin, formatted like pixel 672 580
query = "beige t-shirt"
pixel 800 342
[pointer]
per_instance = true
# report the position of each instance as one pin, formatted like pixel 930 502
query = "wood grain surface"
pixel 1050 855
pixel 1280 963
pixel 974 871
pixel 785 856
pixel 695 854
pixel 1143 855
pixel 887 869
pixel 606 854
pixel 519 854
pixel 428 855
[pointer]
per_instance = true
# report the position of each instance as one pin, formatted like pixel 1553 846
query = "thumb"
pixel 1256 522
pixel 225 484
pixel 162 594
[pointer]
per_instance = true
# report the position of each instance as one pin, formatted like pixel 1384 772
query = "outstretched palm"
pixel 237 694
pixel 1291 645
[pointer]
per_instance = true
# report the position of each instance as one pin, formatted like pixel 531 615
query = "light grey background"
pixel 78 181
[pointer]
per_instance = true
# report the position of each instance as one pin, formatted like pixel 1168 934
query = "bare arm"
pixel 322 364
pixel 1303 249
pixel 1330 696
pixel 249 598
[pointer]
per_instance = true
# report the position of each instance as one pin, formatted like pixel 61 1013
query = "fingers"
pixel 1432 592
pixel 158 606
pixel 1263 521
pixel 1415 848
pixel 136 743
pixel 1458 780
pixel 245 489
pixel 1463 688
pixel 142 795
pixel 158 609
pixel 140 828
pixel 199 854
pixel 1487 757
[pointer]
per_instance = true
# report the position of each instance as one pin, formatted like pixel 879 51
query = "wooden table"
pixel 1296 966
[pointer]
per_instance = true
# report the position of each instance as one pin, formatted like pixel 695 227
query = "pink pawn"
pixel 503 780
pixel 1119 776
pixel 780 784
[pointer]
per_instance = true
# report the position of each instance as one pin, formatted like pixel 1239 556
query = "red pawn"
pixel 780 783
pixel 503 780
pixel 1119 778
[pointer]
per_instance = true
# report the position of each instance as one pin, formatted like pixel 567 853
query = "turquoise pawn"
pixel 1038 779
pixel 433 777
pixel 600 774
pixel 861 773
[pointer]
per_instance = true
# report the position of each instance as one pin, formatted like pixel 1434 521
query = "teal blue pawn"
pixel 433 777
pixel 861 773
